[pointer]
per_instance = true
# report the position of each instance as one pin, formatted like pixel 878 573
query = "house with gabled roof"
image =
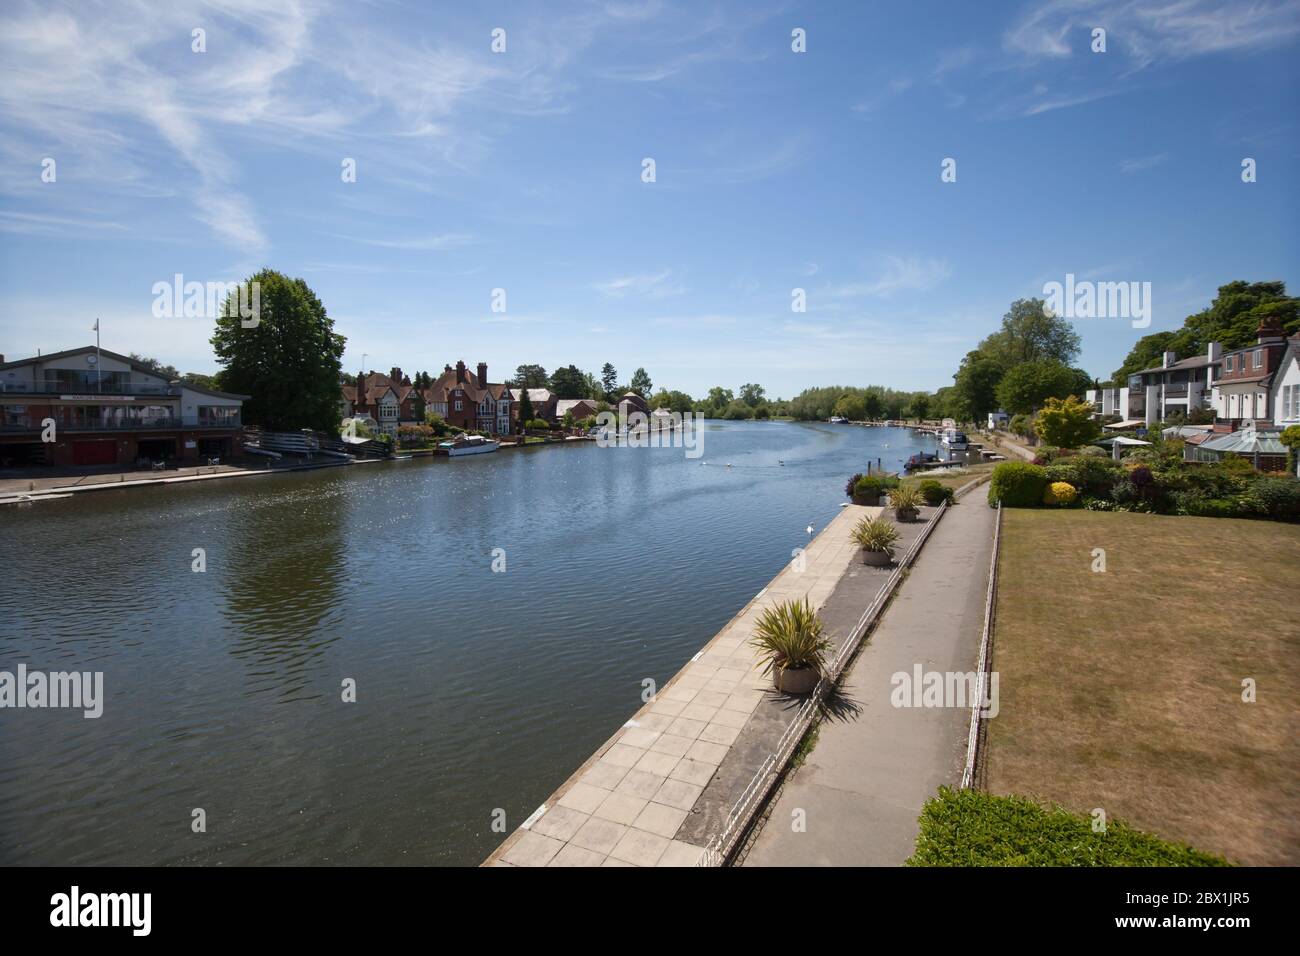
pixel 468 400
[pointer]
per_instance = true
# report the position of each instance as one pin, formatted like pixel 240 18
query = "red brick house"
pixel 468 400
pixel 389 400
pixel 1246 376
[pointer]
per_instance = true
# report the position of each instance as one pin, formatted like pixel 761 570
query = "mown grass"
pixel 1123 689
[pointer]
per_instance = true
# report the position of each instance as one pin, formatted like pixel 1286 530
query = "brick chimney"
pixel 1270 331
pixel 482 374
pixel 460 372
pixel 395 374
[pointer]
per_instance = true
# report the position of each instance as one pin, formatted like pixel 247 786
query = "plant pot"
pixel 876 559
pixel 864 500
pixel 906 514
pixel 792 681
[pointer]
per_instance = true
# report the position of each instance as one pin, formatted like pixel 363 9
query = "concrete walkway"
pixel 860 791
pixel 633 802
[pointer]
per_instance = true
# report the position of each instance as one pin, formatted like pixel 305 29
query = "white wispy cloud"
pixel 656 285
pixel 899 275
pixel 1143 162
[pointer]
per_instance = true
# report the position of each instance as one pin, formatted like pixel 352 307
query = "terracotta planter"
pixel 876 559
pixel 800 681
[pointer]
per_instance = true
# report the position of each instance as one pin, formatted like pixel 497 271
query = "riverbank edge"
pixel 19 497
pixel 775 774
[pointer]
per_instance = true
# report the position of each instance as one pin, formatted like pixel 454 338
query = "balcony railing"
pixel 87 388
pixel 114 425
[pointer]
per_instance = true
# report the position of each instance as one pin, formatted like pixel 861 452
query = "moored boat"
pixel 469 445
pixel 955 440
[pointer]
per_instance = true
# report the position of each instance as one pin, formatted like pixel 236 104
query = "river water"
pixel 476 690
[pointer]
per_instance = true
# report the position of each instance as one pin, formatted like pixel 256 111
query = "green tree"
pixel 1231 319
pixel 674 401
pixel 609 381
pixel 975 387
pixel 1030 334
pixel 288 363
pixel 158 368
pixel 1066 422
pixel 1027 386
pixel 641 383
pixel 1290 437
pixel 530 376
pixel 751 394
pixel 718 399
pixel 569 382
pixel 919 407
pixel 737 411
pixel 873 406
pixel 525 408
pixel 853 407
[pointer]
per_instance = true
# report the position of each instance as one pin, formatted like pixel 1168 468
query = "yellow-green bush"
pixel 1059 493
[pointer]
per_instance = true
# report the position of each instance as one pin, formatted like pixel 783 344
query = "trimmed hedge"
pixel 1017 484
pixel 972 828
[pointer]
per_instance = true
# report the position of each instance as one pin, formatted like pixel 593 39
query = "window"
pixel 459 406
pixel 1259 358
pixel 1227 364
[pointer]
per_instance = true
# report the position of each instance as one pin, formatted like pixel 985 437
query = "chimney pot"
pixel 482 374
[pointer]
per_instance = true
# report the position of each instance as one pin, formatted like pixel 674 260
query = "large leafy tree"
pixel 288 363
pixel 1029 334
pixel 1231 319
pixel 919 407
pixel 752 395
pixel 531 376
pixel 569 382
pixel 672 400
pixel 975 387
pixel 1066 423
pixel 1029 385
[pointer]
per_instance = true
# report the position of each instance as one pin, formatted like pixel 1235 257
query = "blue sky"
pixel 521 170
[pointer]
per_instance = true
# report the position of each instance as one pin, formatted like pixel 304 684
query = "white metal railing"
pixel 972 739
pixel 720 845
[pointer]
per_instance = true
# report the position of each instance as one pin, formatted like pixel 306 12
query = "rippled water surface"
pixel 475 690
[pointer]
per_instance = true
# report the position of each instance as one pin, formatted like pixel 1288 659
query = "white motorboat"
pixel 954 440
pixel 469 445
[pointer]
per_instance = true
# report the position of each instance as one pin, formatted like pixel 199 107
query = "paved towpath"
pixel 861 788
pixel 644 798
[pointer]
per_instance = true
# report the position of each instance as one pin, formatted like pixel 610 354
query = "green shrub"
pixel 1091 476
pixel 873 486
pixel 934 493
pixel 1092 451
pixel 1017 484
pixel 972 828
pixel 1198 505
pixel 1277 498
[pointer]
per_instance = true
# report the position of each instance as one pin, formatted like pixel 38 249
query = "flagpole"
pixel 99 372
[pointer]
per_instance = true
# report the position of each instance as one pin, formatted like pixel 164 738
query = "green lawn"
pixel 1123 690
